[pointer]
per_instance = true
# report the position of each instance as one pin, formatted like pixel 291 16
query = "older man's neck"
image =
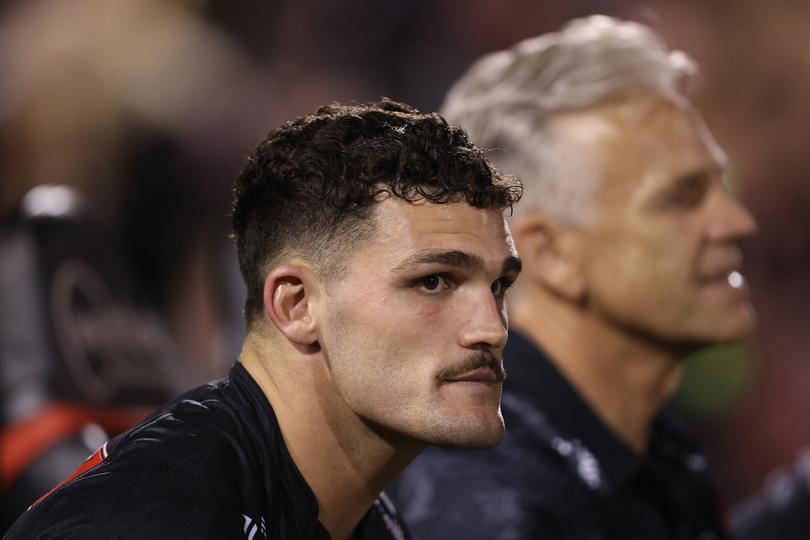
pixel 343 460
pixel 624 379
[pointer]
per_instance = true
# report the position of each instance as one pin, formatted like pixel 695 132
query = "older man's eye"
pixel 688 192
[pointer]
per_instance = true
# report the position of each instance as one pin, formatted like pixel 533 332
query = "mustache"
pixel 475 361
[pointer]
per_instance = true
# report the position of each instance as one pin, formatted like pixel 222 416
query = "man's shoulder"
pixel 188 438
pixel 179 469
pixel 780 509
pixel 205 414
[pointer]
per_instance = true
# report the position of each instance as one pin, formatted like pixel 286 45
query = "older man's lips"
pixel 727 283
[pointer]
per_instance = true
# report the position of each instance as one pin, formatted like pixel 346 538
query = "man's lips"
pixel 478 367
pixel 720 265
pixel 727 276
pixel 482 375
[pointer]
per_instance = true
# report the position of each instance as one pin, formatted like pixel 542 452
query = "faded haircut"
pixel 309 188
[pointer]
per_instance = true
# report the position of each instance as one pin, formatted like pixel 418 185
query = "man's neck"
pixel 344 461
pixel 624 378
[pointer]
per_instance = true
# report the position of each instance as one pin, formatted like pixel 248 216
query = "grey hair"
pixel 506 99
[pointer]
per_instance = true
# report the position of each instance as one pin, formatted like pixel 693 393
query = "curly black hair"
pixel 309 187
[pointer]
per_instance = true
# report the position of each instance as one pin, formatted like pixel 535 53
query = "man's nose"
pixel 730 220
pixel 485 324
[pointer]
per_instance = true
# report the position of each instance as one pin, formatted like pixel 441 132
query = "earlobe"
pixel 551 256
pixel 287 303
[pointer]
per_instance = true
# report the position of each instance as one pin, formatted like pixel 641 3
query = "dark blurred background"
pixel 149 108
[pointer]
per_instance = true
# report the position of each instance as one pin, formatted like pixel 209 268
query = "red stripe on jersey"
pixel 95 458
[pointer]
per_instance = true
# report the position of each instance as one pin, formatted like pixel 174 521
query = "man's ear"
pixel 289 291
pixel 551 254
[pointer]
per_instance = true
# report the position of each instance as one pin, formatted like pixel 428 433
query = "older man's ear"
pixel 552 257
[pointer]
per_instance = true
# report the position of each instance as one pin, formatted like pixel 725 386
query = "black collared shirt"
pixel 559 473
pixel 211 464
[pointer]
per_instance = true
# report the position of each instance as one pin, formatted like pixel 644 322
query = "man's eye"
pixel 433 284
pixel 688 197
pixel 499 286
pixel 688 192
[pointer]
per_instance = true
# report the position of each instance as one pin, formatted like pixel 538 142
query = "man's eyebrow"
pixel 457 258
pixel 697 176
pixel 691 183
pixel 452 257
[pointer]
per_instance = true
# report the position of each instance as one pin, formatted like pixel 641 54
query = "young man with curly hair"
pixel 376 258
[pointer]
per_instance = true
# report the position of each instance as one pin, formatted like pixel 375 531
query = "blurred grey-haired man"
pixel 629 239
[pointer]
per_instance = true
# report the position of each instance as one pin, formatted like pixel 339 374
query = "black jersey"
pixel 211 464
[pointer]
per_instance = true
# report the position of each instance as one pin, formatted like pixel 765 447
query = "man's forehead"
pixel 585 129
pixel 647 155
pixel 423 226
